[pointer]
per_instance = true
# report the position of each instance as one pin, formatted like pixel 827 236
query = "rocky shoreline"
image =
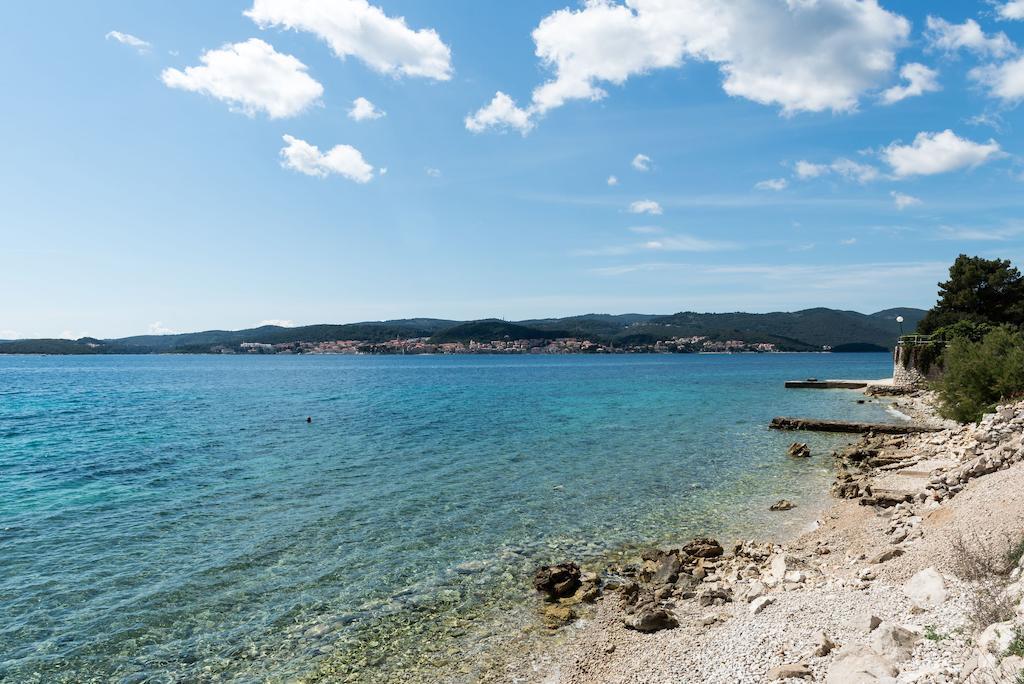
pixel 906 578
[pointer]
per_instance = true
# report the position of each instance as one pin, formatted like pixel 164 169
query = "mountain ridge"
pixel 804 330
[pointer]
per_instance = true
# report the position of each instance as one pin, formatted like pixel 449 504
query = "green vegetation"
pixel 932 635
pixel 1016 647
pixel 493 329
pixel 1015 553
pixel 978 291
pixel 978 375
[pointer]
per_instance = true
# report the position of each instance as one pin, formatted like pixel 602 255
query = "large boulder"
pixel 926 589
pixel 704 547
pixel 894 642
pixel 666 570
pixel 993 642
pixel 759 604
pixel 557 581
pixel 858 664
pixel 651 618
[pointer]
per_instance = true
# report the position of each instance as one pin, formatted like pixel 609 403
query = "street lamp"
pixel 899 319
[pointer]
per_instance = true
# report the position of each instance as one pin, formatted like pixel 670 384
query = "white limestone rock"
pixel 858 664
pixel 926 589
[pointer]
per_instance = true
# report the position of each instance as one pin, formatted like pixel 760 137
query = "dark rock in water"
pixel 704 547
pixel 557 581
pixel 651 619
pixel 799 450
pixel 782 505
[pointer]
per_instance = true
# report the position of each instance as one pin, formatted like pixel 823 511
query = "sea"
pixel 176 518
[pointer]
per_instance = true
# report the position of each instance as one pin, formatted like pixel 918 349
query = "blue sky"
pixel 160 172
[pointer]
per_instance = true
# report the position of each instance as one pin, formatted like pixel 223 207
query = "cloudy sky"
pixel 192 165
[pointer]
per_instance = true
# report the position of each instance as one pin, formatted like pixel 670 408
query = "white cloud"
pixel 250 77
pixel 1000 234
pixel 1005 81
pixel 363 110
pixel 686 243
pixel 501 113
pixel 433 173
pixel 847 168
pixel 10 335
pixel 805 169
pixel 772 184
pixel 933 153
pixel 848 242
pixel 1014 9
pixel 357 28
pixel 130 40
pixel 948 37
pixel 645 207
pixel 920 80
pixel 278 322
pixel 612 180
pixel 801 55
pixel 344 160
pixel 641 162
pixel 903 201
pixel 159 328
pixel 645 230
pixel 855 171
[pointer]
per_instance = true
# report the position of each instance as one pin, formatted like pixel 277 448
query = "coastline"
pixel 804 607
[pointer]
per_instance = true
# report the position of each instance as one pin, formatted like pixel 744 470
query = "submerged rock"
pixel 799 450
pixel 782 505
pixel 557 581
pixel 555 615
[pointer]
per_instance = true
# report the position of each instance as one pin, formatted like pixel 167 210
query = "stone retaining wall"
pixel 914 365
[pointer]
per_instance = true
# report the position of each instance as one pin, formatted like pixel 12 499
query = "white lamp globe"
pixel 899 319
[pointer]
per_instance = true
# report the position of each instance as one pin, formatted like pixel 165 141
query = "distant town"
pixel 562 345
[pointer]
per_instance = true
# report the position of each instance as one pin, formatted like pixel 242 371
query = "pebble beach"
pixel 877 591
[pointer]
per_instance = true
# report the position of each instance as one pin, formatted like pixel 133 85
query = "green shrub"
pixel 978 375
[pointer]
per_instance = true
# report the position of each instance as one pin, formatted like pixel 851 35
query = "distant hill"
pixel 493 329
pixel 375 331
pixel 911 317
pixel 807 330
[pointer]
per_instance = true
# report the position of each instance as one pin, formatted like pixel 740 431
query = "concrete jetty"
pixel 827 384
pixel 818 425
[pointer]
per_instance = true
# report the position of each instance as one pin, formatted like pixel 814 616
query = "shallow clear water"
pixel 174 518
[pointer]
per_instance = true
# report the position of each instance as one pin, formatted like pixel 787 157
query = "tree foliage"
pixel 978 375
pixel 980 291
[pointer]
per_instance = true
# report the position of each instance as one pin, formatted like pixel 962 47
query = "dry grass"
pixel 987 567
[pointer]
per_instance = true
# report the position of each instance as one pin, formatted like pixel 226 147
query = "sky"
pixel 170 167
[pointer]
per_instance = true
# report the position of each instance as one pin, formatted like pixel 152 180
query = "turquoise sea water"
pixel 174 518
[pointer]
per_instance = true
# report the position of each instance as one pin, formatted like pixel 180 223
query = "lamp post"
pixel 899 319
